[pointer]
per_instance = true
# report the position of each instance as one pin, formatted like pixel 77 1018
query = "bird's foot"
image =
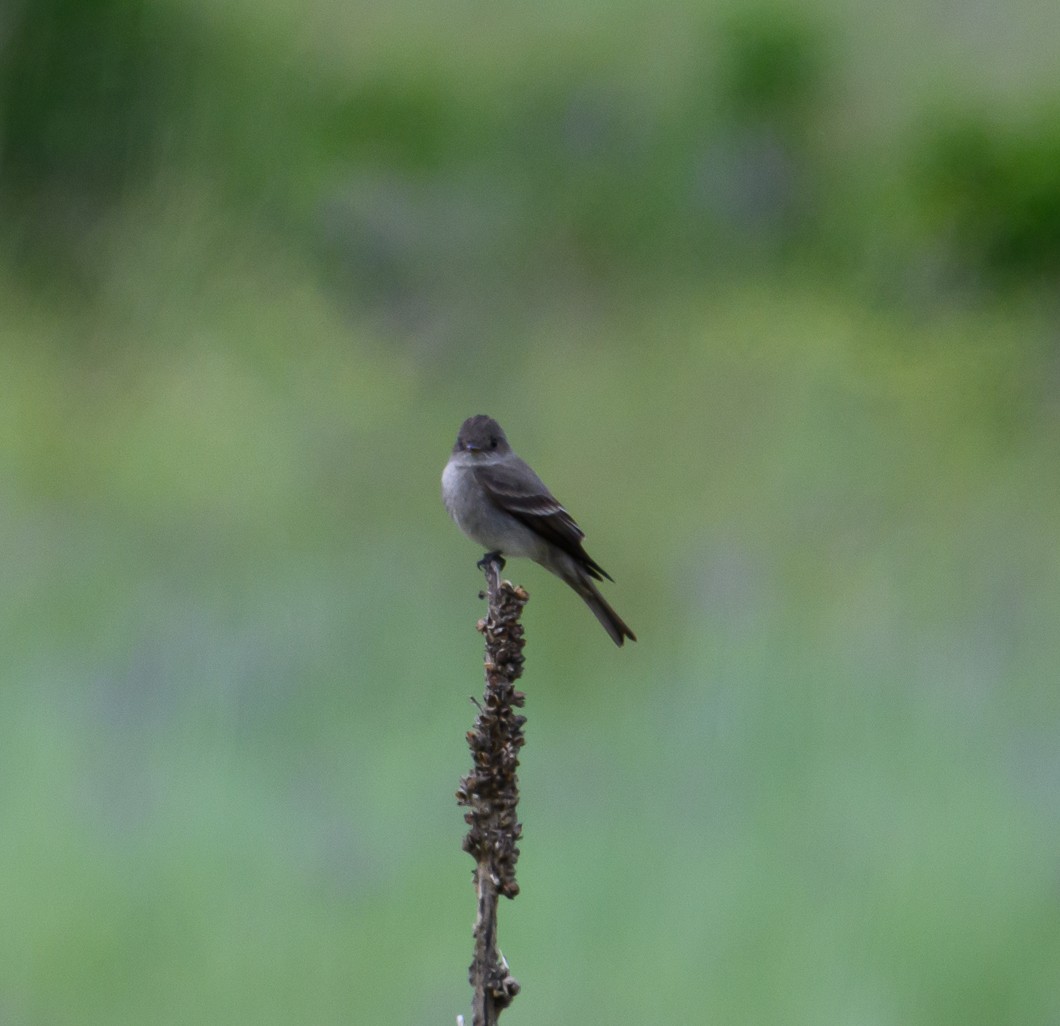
pixel 491 557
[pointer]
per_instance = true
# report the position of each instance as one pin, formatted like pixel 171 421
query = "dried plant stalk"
pixel 490 792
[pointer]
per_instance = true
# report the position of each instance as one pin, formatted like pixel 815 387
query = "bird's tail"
pixel 613 623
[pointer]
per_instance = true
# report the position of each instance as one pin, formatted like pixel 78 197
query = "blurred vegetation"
pixel 768 294
pixel 992 191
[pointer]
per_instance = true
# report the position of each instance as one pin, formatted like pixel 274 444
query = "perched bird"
pixel 500 503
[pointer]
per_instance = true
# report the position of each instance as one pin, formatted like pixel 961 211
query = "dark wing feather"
pixel 519 491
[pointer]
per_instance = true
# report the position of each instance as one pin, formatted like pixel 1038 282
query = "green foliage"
pixel 586 163
pixel 82 87
pixel 995 191
pixel 773 65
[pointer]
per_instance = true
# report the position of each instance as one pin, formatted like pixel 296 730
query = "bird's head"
pixel 481 436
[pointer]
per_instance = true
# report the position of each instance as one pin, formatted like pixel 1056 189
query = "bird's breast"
pixel 481 519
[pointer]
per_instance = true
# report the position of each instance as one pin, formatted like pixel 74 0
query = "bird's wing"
pixel 519 491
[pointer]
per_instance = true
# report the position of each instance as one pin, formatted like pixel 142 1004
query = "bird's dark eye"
pixel 493 443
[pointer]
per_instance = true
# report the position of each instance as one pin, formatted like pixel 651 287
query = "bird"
pixel 498 501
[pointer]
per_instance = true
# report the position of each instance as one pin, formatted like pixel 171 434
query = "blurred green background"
pixel 769 295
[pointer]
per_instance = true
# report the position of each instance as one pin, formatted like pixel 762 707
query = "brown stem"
pixel 490 791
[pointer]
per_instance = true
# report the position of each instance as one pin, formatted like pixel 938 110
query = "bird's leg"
pixel 491 557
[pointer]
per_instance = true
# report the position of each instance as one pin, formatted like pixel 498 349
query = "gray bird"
pixel 500 503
